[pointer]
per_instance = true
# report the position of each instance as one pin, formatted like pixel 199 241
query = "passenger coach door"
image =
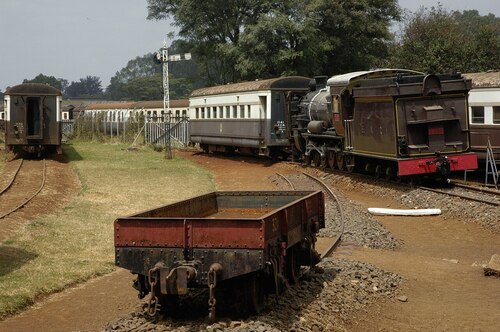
pixel 262 114
pixel 34 117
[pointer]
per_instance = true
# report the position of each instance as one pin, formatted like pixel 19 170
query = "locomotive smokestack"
pixel 320 81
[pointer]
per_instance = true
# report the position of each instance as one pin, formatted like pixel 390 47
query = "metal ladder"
pixel 491 166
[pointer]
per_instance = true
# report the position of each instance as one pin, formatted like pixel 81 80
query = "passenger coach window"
pixel 477 114
pixel 496 114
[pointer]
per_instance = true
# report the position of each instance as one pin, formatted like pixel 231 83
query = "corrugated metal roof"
pixel 33 89
pixel 176 103
pixel 109 105
pixel 268 84
pixel 345 79
pixel 489 79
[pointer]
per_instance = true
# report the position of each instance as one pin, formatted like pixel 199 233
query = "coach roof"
pixel 280 83
pixel 33 89
pixel 489 79
pixel 346 79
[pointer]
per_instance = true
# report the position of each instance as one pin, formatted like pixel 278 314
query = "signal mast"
pixel 162 57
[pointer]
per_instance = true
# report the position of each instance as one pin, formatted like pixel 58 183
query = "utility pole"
pixel 162 57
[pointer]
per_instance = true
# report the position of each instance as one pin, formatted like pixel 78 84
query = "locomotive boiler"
pixel 393 123
pixel 33 118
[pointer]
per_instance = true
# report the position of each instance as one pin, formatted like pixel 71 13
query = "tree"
pixel 210 29
pixel 145 88
pixel 88 87
pixel 58 83
pixel 142 78
pixel 247 39
pixel 436 40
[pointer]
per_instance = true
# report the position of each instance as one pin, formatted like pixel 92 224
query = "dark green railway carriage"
pixel 33 118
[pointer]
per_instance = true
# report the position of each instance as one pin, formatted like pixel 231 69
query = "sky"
pixel 71 39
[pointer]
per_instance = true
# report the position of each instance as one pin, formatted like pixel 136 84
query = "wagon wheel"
pixel 378 171
pixel 254 294
pixel 330 157
pixel 168 303
pixel 292 266
pixel 349 163
pixel 389 173
pixel 340 161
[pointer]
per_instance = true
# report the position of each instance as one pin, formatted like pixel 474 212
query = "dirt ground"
pixel 440 260
pixel 61 185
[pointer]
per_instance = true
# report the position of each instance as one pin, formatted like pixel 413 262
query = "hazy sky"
pixel 71 39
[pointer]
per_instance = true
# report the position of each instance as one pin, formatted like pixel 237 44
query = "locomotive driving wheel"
pixel 316 159
pixel 340 161
pixel 330 158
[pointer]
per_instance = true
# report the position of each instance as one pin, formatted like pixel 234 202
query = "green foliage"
pixel 145 88
pixel 142 78
pixel 58 83
pixel 248 39
pixel 88 87
pixel 435 40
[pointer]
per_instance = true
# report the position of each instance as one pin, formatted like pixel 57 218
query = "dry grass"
pixel 76 244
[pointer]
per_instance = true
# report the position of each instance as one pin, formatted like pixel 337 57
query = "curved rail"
pixel 461 196
pixel 337 240
pixel 26 201
pixel 287 180
pixel 13 178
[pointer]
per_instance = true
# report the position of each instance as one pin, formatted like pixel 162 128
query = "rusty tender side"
pixel 257 239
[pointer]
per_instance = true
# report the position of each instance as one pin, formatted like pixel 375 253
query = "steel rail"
pixel 287 180
pixel 26 201
pixel 13 178
pixel 460 196
pixel 334 197
pixel 483 190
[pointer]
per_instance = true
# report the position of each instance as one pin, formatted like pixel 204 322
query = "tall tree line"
pixel 239 40
pixel 247 39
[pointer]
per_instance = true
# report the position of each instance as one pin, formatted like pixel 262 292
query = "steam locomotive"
pixel 393 123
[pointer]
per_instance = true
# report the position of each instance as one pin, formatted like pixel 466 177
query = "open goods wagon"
pixel 250 241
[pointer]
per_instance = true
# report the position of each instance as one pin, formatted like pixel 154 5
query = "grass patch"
pixel 76 244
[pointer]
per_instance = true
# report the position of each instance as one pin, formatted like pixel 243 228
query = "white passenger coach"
pixel 249 117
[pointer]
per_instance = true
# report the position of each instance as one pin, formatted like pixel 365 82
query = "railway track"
pixel 463 191
pixel 470 193
pixel 15 194
pixel 337 240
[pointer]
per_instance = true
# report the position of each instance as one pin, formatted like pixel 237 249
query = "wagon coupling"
pixel 215 269
pixel 153 303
